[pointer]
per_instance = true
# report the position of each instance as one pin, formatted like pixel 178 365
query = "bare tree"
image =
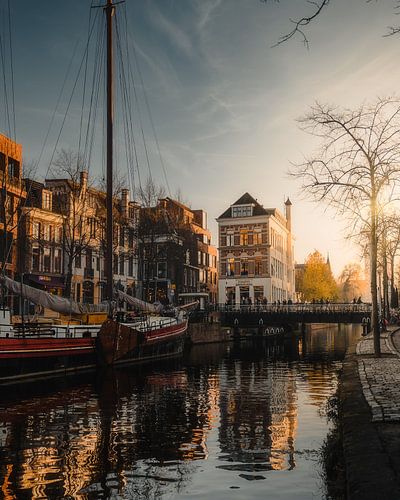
pixel 356 170
pixel 351 282
pixel 149 194
pixel 72 202
pixel 300 24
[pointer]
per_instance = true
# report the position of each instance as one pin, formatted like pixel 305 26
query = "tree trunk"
pixel 374 287
pixel 68 280
pixel 392 287
pixel 385 283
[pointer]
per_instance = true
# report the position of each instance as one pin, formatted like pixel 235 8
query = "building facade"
pixel 42 262
pixel 176 253
pixel 12 199
pixel 256 253
pixel 63 229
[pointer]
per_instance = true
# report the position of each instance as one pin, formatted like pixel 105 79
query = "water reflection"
pixel 221 420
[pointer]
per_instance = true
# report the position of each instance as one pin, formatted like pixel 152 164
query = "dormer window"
pixel 242 211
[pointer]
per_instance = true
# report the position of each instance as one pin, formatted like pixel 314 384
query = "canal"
pixel 227 421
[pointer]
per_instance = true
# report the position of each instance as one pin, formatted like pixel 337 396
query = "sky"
pixel 224 102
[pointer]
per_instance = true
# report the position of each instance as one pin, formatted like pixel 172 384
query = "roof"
pixel 247 199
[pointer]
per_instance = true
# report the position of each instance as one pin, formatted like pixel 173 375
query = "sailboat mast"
pixel 109 10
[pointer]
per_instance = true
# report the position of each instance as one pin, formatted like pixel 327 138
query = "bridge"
pixel 252 316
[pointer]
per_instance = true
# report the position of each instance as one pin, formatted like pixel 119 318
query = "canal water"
pixel 228 421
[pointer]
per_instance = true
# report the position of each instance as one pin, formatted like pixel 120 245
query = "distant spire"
pixel 288 202
pixel 328 262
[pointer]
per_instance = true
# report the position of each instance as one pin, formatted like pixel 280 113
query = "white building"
pixel 256 253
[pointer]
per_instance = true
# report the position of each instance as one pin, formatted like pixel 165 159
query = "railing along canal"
pixel 334 308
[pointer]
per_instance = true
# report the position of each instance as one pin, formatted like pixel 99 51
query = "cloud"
pixel 206 10
pixel 174 33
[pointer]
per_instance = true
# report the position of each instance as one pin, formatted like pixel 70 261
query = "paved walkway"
pixel 380 377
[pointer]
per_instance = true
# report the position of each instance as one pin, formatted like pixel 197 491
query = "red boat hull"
pixel 27 359
pixel 17 348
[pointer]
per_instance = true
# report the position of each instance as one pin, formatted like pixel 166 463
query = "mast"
pixel 109 10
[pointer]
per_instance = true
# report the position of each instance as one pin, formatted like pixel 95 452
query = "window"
pixel 46 232
pixel 230 267
pixel 88 258
pixel 46 260
pixel 115 264
pixel 131 238
pixel 122 236
pixel 130 266
pixel 257 240
pixel 242 211
pixel 78 258
pixel 57 260
pixel 258 266
pixel 36 230
pixel 46 200
pixel 230 240
pixel 161 270
pixel 13 168
pixel 35 259
pixel 121 264
pixel 2 162
pixel 244 237
pixel 9 207
pixel 92 227
pixel 244 267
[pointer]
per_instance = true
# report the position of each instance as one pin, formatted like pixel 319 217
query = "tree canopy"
pixel 317 281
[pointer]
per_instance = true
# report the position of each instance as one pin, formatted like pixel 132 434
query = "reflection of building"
pixel 256 253
pixel 12 196
pixel 259 416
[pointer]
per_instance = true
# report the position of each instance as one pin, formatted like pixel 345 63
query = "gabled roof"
pixel 246 199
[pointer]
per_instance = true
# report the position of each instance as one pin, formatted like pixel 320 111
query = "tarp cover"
pixel 140 304
pixel 53 302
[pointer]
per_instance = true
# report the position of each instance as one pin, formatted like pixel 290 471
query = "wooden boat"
pixel 145 340
pixel 29 352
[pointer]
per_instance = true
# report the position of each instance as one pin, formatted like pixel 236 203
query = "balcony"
pixel 88 273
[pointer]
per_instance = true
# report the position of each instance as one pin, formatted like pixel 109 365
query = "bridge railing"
pixel 334 308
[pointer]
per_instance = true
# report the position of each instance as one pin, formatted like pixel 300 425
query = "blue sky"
pixel 223 101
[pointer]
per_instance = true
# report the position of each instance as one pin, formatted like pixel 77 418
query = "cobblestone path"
pixel 380 377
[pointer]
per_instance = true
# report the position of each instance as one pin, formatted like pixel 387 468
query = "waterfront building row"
pixel 53 238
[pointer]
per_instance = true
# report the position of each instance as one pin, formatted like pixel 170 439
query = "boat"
pixel 149 339
pixel 32 350
pixel 29 351
pixel 163 332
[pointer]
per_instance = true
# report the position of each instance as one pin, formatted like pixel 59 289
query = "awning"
pixel 45 280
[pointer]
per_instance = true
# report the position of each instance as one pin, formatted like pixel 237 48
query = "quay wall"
pixel 204 333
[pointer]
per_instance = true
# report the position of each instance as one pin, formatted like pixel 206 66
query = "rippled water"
pixel 228 421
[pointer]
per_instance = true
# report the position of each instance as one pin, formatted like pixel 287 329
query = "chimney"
pixel 83 180
pixel 124 202
pixel 288 214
